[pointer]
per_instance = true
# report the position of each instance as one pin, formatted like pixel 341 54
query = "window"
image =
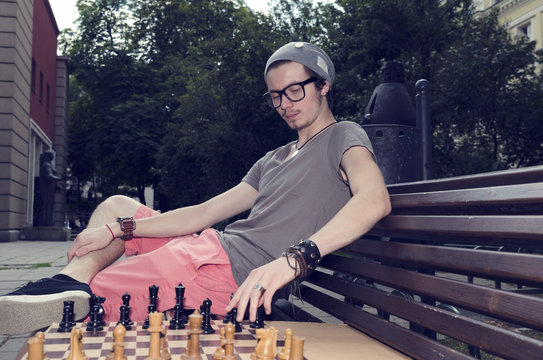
pixel 33 79
pixel 526 30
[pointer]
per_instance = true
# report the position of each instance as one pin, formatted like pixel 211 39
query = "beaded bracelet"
pixel 306 256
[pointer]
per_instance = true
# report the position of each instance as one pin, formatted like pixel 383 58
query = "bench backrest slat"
pixel 533 174
pixel 521 268
pixel 445 228
pixel 487 196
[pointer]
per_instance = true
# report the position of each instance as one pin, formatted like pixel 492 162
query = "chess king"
pixel 306 199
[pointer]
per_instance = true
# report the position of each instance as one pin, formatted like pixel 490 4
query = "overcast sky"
pixel 66 12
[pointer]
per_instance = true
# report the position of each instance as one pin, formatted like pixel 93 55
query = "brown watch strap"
pixel 128 225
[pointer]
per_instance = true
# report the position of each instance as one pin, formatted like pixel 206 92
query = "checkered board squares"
pixel 97 345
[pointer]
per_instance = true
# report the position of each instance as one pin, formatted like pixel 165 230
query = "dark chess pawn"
pixel 228 316
pixel 236 323
pixel 67 322
pixel 150 309
pixel 179 319
pixel 126 302
pixel 206 313
pixel 125 318
pixel 259 323
pixel 94 322
pixel 153 298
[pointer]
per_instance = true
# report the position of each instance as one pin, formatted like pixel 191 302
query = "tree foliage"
pixel 167 93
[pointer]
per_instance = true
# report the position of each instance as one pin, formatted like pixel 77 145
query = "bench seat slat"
pixel 494 227
pixel 490 338
pixel 525 269
pixel 513 307
pixel 412 344
pixel 489 196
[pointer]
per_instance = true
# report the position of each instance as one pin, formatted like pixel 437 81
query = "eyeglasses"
pixel 294 92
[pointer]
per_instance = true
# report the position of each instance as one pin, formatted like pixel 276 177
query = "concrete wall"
pixel 15 67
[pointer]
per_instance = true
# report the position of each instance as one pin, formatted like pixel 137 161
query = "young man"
pixel 307 199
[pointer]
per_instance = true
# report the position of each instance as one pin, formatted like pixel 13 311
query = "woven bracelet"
pixel 306 256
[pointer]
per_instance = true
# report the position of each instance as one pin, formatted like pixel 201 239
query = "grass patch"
pixel 40 265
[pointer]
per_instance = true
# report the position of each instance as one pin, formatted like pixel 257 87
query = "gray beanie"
pixel 306 54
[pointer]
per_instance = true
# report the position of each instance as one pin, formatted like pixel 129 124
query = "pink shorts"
pixel 198 262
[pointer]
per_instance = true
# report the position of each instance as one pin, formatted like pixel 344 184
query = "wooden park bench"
pixel 454 272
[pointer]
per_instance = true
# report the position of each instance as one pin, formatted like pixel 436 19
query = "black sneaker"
pixel 39 304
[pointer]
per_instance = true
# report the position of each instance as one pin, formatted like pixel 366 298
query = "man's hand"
pixel 271 277
pixel 88 240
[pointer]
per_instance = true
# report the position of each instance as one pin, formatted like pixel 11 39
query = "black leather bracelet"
pixel 306 256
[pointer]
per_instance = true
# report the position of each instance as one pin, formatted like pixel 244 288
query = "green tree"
pixel 220 125
pixel 363 34
pixel 487 102
pixel 119 88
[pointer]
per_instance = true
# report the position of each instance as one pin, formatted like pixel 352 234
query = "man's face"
pixel 300 114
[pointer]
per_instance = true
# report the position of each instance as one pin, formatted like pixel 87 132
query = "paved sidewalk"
pixel 21 262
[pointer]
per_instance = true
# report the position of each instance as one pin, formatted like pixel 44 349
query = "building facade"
pixel 33 112
pixel 522 17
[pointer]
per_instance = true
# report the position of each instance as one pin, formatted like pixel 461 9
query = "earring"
pixel 323 92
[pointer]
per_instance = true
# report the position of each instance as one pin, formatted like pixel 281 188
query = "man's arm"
pixel 182 221
pixel 370 202
pixel 191 219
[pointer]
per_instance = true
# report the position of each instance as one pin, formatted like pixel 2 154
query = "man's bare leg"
pixel 86 267
pixel 39 304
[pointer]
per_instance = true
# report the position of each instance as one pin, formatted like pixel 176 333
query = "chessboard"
pixel 99 344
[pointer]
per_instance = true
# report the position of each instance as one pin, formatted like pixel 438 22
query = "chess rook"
pixel 67 322
pixel 297 348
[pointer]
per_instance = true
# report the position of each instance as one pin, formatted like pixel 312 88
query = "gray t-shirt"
pixel 295 197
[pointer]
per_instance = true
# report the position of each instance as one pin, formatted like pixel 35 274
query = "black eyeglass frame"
pixel 269 99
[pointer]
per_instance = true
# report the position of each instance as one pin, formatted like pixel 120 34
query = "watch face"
pixel 127 223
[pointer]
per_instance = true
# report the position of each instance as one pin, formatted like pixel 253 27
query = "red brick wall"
pixel 43 77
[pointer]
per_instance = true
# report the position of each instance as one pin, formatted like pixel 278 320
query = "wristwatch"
pixel 128 225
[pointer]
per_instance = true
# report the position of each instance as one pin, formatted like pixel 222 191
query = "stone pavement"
pixel 21 262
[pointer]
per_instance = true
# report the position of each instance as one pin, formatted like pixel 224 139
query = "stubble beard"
pixel 304 124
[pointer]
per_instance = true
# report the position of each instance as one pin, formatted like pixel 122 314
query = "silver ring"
pixel 259 287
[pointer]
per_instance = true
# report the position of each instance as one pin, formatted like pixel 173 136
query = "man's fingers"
pixel 256 300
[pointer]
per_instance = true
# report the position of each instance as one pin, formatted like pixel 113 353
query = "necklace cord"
pixel 311 138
